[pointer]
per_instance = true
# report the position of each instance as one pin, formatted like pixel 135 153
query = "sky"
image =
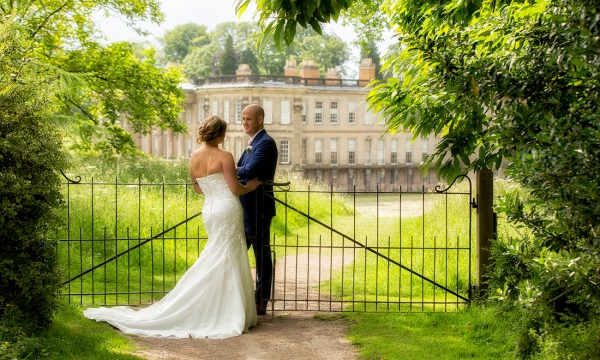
pixel 204 12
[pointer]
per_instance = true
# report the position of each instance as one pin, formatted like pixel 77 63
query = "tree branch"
pixel 48 18
pixel 90 116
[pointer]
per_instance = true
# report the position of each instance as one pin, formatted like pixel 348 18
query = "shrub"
pixel 30 157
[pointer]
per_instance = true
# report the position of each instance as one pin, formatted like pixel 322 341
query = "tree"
pixel 369 20
pixel 328 50
pixel 179 42
pixel 200 62
pixel 30 157
pixel 248 56
pixel 508 80
pixel 228 62
pixel 93 85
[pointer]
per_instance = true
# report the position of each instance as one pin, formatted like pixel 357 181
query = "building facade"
pixel 323 128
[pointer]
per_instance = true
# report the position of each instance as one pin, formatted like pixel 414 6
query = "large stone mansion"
pixel 322 126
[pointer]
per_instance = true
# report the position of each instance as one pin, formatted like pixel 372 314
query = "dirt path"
pixel 292 336
pixel 282 335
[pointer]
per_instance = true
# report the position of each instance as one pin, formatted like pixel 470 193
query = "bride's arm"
pixel 197 188
pixel 232 179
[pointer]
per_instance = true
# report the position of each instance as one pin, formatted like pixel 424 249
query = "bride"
pixel 215 297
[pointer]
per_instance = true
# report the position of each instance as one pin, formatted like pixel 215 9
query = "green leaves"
pixel 60 51
pixel 279 18
pixel 30 157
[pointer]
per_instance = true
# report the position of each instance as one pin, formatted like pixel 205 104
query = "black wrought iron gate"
pixel 128 243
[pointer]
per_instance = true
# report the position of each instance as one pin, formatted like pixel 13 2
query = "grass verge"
pixel 73 336
pixel 479 332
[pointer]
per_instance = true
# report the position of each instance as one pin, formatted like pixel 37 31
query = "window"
pixel 350 178
pixel 268 107
pixel 284 151
pixel 304 152
pixel 238 111
pixel 380 152
pixel 318 112
pixel 334 177
pixel 351 152
pixel 226 110
pixel 167 147
pixel 200 112
pixel 285 111
pixel 214 109
pixel 368 115
pixel 394 152
pixel 394 177
pixel 226 144
pixel 238 148
pixel 334 112
pixel 408 152
pixel 367 179
pixel 333 151
pixel 156 141
pixel 381 179
pixel 318 151
pixel 351 113
pixel 188 114
pixel 318 175
pixel 368 152
pixel 188 146
pixel 304 105
pixel 424 148
pixel 409 176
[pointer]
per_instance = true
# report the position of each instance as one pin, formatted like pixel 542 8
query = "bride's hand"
pixel 253 183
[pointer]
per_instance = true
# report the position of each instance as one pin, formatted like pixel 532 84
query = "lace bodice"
pixel 222 211
pixel 215 186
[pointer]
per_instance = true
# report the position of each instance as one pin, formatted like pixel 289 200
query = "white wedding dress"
pixel 215 297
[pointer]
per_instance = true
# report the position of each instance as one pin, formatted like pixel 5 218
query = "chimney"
pixel 290 68
pixel 171 64
pixel 366 71
pixel 309 70
pixel 243 70
pixel 333 77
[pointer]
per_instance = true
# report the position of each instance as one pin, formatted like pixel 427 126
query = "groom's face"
pixel 251 121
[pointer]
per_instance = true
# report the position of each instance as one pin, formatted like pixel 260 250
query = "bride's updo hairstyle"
pixel 211 128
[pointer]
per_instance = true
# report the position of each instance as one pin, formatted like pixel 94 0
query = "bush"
pixel 16 341
pixel 30 157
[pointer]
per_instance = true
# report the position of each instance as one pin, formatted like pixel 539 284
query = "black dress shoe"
pixel 260 310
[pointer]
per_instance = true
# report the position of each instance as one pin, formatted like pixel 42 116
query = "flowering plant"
pixel 248 149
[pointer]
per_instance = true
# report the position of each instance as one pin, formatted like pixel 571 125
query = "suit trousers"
pixel 258 235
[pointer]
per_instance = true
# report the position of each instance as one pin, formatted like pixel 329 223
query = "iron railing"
pixel 279 80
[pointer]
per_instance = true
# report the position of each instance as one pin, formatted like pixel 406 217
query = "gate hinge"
pixel 473 204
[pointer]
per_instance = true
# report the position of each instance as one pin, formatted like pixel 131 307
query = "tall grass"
pixel 410 259
pixel 118 204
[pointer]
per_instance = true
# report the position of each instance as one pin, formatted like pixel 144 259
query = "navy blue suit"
pixel 259 209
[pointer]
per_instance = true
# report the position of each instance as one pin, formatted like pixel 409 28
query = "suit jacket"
pixel 260 162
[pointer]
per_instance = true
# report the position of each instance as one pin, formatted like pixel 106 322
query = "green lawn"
pixel 475 333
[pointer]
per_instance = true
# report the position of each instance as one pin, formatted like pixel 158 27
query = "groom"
pixel 258 160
